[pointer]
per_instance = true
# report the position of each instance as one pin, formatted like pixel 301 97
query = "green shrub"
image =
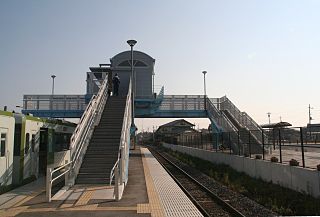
pixel 274 159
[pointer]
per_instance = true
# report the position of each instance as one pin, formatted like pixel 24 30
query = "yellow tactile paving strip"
pixel 143 208
pixel 155 205
pixel 84 199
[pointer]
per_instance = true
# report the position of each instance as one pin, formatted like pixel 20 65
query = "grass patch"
pixel 281 200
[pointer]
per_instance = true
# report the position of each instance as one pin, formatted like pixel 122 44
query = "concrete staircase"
pixel 102 152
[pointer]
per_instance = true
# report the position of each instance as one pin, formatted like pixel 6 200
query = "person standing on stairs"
pixel 116 83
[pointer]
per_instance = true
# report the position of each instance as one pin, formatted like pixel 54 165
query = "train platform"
pixel 150 192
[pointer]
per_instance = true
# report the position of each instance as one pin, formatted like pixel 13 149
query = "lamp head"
pixel 53 76
pixel 131 42
pixel 204 72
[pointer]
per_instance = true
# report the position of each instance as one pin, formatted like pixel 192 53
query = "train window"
pixel 3 144
pixel 27 143
pixel 33 142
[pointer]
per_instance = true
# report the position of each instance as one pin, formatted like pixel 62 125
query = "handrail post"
pixel 48 184
pixel 249 143
pixel 116 183
pixel 238 133
pixel 280 145
pixel 302 147
pixel 262 145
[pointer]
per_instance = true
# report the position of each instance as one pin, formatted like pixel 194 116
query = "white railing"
pixel 218 117
pixel 54 102
pixel 182 102
pixel 120 169
pixel 81 138
pixel 64 169
pixel 242 118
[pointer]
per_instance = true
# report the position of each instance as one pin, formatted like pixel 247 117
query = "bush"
pixel 274 159
pixel 318 167
pixel 293 162
pixel 258 157
pixel 246 154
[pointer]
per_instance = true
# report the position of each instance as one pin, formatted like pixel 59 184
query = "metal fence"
pixel 295 145
pixel 54 102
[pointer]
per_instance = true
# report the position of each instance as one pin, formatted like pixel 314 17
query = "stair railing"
pixel 120 169
pixel 242 118
pixel 80 139
pixel 83 133
pixel 218 117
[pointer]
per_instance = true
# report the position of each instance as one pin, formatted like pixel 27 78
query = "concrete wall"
pixel 296 178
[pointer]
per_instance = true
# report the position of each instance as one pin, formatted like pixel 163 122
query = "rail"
pixel 242 118
pixel 120 168
pixel 50 180
pixel 81 137
pixel 218 117
pixel 187 182
pixel 182 103
pixel 54 102
pixel 83 132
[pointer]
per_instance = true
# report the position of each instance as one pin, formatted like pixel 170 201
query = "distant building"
pixel 171 131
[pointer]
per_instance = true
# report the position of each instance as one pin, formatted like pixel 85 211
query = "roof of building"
pixel 175 122
pixel 276 125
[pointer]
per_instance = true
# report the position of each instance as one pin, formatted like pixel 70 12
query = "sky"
pixel 264 55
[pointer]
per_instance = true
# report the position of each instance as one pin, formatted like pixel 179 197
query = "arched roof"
pixel 137 55
pixel 128 52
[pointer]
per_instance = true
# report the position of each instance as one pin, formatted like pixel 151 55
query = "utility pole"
pixel 310 118
pixel 269 113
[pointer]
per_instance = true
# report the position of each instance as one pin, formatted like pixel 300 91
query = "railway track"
pixel 206 201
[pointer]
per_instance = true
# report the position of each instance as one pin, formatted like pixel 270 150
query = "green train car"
pixel 29 144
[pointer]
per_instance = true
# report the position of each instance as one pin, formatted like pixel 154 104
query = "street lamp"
pixel 205 91
pixel 52 93
pixel 53 77
pixel 132 43
pixel 269 113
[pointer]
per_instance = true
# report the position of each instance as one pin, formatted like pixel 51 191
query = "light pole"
pixel 310 118
pixel 53 77
pixel 269 113
pixel 205 91
pixel 52 93
pixel 131 43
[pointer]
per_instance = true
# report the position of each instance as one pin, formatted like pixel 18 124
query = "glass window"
pixel 3 144
pixel 124 63
pixel 27 143
pixel 139 63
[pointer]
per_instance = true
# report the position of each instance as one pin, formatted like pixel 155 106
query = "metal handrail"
pixel 119 168
pixel 89 119
pixel 50 180
pixel 81 137
pixel 242 118
pixel 221 120
pixel 112 170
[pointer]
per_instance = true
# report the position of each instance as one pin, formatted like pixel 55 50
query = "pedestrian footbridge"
pixel 100 145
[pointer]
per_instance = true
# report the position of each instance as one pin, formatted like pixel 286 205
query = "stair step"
pixel 93 181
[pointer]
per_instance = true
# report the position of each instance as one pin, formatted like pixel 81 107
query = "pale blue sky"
pixel 264 55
